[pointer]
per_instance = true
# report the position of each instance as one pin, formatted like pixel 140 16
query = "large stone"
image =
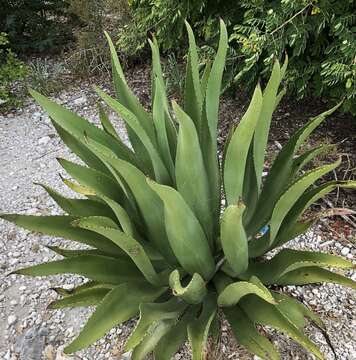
pixel 33 343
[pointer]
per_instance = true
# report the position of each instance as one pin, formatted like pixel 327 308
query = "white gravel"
pixel 28 150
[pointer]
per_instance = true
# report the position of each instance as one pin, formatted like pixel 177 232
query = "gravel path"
pixel 28 150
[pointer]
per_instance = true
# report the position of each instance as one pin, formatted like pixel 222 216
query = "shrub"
pixel 11 70
pixel 318 36
pixel 90 54
pixel 36 25
pixel 161 244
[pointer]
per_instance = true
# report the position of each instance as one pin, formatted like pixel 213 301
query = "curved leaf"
pixel 234 239
pixel 198 329
pixel 119 305
pixel 313 275
pixel 155 333
pixel 263 313
pixel 247 335
pixel 151 313
pixel 193 293
pixel 106 124
pixel 280 173
pixel 289 260
pixel 296 312
pixel 170 343
pixel 148 202
pixel 293 193
pixel 233 293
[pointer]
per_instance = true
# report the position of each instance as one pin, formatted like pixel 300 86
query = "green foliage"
pixel 11 70
pixel 162 245
pixel 318 36
pixel 90 54
pixel 36 25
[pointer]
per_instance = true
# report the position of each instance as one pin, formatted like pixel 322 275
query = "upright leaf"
pixel 233 238
pixel 192 182
pixel 237 151
pixel 185 234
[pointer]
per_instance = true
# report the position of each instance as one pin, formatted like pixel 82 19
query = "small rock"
pixel 11 319
pixel 49 352
pixel 60 355
pixel 33 344
pixel 345 251
pixel 80 101
pixel 36 115
pixel 126 356
pixel 44 140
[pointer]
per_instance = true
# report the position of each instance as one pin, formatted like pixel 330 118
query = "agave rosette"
pixel 161 245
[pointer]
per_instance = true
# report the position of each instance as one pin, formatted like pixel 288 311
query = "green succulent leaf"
pixel 193 99
pixel 71 253
pixel 314 275
pixel 88 297
pixel 193 293
pixel 234 292
pixel 210 120
pixel 155 333
pixel 161 116
pixel 119 305
pixel 147 201
pixel 83 287
pixel 125 95
pixel 185 234
pixel 127 243
pixel 247 335
pixel 79 148
pixel 106 124
pixel 94 267
pixel 234 239
pixel 296 312
pixel 174 338
pixel 237 151
pixel 264 313
pixel 61 226
pixel 280 174
pixel 195 191
pixel 198 329
pixel 263 123
pixel 93 179
pixel 79 207
pixel 293 193
pixel 76 127
pixel 160 171
pixel 150 314
pixel 288 260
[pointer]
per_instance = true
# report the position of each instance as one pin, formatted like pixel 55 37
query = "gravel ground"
pixel 28 151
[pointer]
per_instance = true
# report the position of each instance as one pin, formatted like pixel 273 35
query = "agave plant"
pixel 161 245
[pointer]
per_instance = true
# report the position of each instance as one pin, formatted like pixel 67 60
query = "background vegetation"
pixel 319 37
